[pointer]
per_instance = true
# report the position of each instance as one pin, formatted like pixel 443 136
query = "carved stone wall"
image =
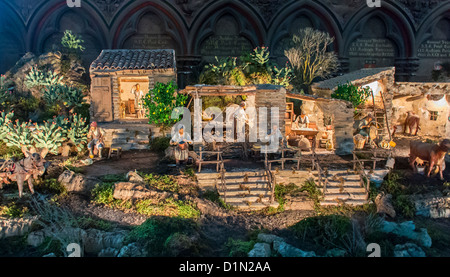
pixel 411 35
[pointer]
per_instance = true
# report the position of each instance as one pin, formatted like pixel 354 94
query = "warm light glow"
pixel 376 88
pixel 440 105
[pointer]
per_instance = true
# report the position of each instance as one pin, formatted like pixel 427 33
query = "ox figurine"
pixel 27 169
pixel 431 153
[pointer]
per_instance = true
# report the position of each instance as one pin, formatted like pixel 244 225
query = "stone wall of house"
pixel 424 99
pixel 271 96
pixel 341 113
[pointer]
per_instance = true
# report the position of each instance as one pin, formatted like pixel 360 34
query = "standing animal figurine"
pixel 432 153
pixel 27 169
pixel 411 121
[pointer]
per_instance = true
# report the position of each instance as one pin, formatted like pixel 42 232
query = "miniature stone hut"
pixel 115 74
pixel 430 101
pixel 256 96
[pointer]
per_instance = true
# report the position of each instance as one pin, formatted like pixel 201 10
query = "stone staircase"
pixel 129 136
pixel 343 187
pixel 245 190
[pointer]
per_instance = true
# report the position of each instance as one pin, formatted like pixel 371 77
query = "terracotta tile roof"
pixel 129 59
pixel 332 83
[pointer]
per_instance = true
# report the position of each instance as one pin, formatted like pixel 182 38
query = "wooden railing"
pixel 271 182
pixel 320 172
pixel 223 184
pixel 358 165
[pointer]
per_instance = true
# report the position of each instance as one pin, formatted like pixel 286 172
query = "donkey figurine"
pixel 29 168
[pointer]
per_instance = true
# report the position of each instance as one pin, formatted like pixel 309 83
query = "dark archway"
pixel 302 14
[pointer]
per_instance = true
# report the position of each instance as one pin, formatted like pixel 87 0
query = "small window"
pixel 433 116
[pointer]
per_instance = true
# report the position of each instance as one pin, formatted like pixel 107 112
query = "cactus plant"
pixel 282 76
pixel 38 79
pixel 68 96
pixel 48 135
pixel 4 93
pixel 260 55
pixel 77 132
pixel 19 135
pixel 5 124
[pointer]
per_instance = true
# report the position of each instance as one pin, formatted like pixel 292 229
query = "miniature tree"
pixel 354 94
pixel 161 101
pixel 310 57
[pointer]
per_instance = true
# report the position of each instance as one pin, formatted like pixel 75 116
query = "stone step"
pixel 347 202
pixel 252 206
pixel 336 190
pixel 345 196
pixel 253 192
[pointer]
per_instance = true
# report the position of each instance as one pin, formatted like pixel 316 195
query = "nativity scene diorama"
pixel 142 132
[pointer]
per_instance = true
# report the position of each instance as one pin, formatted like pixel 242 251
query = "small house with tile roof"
pixel 120 77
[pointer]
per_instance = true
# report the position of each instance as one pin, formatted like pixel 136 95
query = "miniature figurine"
pixel 96 135
pixel 302 121
pixel 181 140
pixel 411 121
pixel 138 102
pixel 27 169
pixel 432 153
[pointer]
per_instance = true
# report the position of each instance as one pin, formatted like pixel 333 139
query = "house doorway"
pixel 132 93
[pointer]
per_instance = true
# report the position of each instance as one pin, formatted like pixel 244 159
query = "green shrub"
pixel 281 191
pixel 160 144
pixel 85 222
pixel 160 103
pixel 213 196
pixel 168 207
pixel 403 204
pixel 239 248
pixel 13 210
pixel 103 194
pixel 352 93
pixel 50 186
pixel 327 231
pixel 162 182
pixel 155 231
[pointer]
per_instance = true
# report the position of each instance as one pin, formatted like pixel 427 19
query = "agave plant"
pixel 48 135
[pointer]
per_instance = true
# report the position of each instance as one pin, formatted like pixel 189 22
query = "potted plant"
pixel 327 121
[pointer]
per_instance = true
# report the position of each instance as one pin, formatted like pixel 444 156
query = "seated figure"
pixel 95 136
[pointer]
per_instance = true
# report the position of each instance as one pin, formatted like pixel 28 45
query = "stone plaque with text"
pixel 372 47
pixel 434 49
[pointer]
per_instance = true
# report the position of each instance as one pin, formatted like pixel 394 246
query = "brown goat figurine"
pixel 432 153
